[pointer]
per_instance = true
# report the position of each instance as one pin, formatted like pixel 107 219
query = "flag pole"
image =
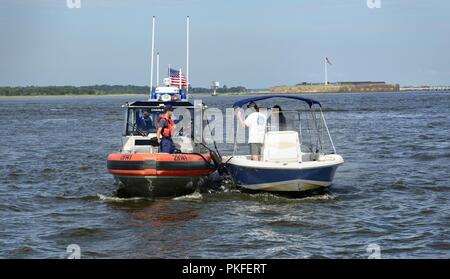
pixel 187 55
pixel 179 75
pixel 326 71
pixel 153 50
pixel 157 69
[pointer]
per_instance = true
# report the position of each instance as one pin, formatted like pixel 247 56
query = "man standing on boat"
pixel 256 124
pixel 166 127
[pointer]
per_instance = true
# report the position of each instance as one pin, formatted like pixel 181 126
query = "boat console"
pixel 281 146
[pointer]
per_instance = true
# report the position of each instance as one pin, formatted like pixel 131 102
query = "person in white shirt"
pixel 256 123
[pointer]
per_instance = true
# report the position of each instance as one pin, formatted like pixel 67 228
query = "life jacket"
pixel 167 131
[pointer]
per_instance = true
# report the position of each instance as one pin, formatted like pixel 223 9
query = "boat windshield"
pixel 307 122
pixel 146 120
pixel 308 126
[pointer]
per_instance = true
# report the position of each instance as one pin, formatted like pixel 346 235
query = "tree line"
pixel 98 90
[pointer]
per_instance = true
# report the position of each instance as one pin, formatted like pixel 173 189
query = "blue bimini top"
pixel 242 102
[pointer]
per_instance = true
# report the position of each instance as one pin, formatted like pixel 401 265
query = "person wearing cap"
pixel 165 130
pixel 256 124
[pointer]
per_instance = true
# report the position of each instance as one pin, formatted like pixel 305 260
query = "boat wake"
pixel 324 197
pixel 117 199
pixel 292 198
pixel 191 197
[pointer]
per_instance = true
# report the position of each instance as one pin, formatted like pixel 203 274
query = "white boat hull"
pixel 283 177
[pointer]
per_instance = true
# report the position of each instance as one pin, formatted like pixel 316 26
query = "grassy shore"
pixel 73 95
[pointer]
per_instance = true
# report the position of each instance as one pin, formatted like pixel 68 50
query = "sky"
pixel 252 43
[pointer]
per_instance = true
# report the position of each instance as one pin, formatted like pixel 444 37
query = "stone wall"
pixel 336 88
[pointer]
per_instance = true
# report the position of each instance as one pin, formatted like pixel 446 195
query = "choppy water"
pixel 392 191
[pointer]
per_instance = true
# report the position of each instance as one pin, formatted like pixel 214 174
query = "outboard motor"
pixel 217 161
pixel 216 158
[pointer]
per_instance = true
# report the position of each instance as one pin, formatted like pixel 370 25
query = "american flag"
pixel 328 61
pixel 177 78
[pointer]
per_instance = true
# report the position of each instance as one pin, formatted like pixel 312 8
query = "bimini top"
pixel 242 102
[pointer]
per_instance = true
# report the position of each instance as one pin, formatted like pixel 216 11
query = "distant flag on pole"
pixel 328 61
pixel 177 78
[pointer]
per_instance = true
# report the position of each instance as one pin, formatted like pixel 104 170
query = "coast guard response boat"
pixel 142 170
pixel 139 167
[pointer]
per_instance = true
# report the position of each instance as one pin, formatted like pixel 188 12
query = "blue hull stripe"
pixel 253 176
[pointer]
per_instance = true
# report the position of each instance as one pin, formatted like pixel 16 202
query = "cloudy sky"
pixel 252 43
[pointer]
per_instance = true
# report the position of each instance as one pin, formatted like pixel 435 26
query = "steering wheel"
pixel 139 131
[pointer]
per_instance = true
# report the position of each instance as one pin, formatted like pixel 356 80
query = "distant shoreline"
pixel 315 93
pixel 198 94
pixel 138 91
pixel 71 95
pixel 98 90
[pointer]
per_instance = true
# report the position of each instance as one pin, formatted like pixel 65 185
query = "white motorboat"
pixel 289 162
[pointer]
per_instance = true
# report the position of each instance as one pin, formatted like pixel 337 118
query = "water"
pixel 392 191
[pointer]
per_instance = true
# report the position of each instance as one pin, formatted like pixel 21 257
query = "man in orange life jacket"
pixel 165 129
